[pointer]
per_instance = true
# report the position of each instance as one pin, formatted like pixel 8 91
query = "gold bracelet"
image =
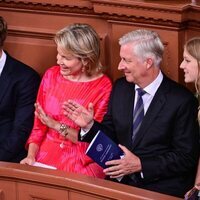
pixel 63 130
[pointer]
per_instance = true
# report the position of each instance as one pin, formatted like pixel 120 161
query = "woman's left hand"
pixel 51 123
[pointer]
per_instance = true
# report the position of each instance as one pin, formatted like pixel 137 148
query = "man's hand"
pixel 129 164
pixel 80 115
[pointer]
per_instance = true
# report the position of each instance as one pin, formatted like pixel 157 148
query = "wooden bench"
pixel 23 182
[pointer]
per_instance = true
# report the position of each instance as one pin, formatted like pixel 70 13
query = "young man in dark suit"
pixel 18 89
pixel 161 153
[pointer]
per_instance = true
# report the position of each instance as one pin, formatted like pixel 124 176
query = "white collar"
pixel 153 86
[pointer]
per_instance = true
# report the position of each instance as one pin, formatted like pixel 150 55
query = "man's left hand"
pixel 129 164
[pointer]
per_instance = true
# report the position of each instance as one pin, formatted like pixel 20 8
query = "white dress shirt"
pixel 2 61
pixel 150 90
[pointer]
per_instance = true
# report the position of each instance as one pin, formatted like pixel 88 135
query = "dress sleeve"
pixel 102 99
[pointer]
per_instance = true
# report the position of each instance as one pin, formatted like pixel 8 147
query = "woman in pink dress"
pixel 78 76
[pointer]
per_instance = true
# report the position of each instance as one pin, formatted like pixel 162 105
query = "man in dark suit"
pixel 162 154
pixel 18 89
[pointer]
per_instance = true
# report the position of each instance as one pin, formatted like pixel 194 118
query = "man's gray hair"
pixel 146 44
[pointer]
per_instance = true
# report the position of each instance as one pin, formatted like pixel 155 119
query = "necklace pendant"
pixel 62 145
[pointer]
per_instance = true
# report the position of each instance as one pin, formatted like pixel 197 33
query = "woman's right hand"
pixel 29 160
pixel 32 151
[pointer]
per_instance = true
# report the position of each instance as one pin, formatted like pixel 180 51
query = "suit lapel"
pixel 5 77
pixel 153 110
pixel 128 106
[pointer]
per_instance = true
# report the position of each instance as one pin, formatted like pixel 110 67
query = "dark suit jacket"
pixel 167 142
pixel 18 89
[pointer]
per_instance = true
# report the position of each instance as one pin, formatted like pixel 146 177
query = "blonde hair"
pixel 82 41
pixel 192 46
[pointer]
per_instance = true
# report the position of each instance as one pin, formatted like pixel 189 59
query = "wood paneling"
pixel 33 23
pixel 7 190
pixel 40 192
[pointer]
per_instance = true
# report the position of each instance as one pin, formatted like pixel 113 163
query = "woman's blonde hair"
pixel 82 41
pixel 192 46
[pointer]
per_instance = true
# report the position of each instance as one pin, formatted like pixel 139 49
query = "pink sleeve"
pixel 39 129
pixel 100 108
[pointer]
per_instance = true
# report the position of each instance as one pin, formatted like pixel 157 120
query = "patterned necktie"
pixel 138 112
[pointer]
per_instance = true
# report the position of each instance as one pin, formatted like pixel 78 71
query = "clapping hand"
pixel 44 118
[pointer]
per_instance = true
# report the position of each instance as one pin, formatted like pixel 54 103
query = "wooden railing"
pixel 23 182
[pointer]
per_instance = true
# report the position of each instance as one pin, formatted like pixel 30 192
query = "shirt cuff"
pixel 83 132
pixel 142 175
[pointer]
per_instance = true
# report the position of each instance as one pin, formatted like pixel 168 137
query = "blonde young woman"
pixel 78 76
pixel 191 68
